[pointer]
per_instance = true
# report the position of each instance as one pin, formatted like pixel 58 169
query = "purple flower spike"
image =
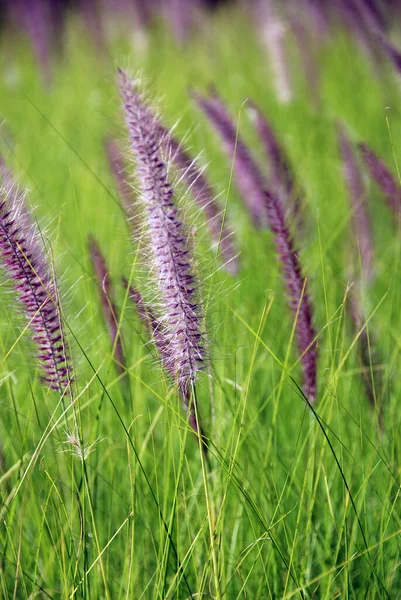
pixel 372 16
pixel 281 171
pixel 155 328
pixel 249 179
pixel 23 258
pixel 297 294
pixel 382 175
pixel 273 32
pixel 169 249
pixel 361 224
pixel 109 308
pixel 203 194
pixel 267 207
pixel 36 16
pixel 319 18
pixel 282 175
pixel 180 16
pixel 93 22
pixel 354 20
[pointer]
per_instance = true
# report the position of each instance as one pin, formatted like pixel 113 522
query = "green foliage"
pixel 296 503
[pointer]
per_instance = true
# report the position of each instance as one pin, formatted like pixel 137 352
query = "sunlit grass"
pixel 296 502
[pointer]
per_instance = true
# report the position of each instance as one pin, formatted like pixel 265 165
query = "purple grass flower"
pixel 109 308
pixel 133 11
pixel 155 328
pixel 350 12
pixel 361 224
pixel 36 18
pixel 281 170
pixel 307 51
pixel 180 16
pixel 145 313
pixel 23 258
pixel 297 294
pixel 371 15
pixel 169 248
pixel 203 194
pixel 382 175
pixel 93 22
pixel 268 208
pixel 153 325
pixel 249 179
pixel 273 33
pixel 318 16
pixel 282 175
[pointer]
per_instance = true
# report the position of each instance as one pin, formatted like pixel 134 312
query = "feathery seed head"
pixel 23 257
pixel 282 175
pixel 203 195
pixel 297 294
pixel 249 180
pixel 267 207
pixel 382 175
pixel 170 253
pixel 109 308
pixel 156 330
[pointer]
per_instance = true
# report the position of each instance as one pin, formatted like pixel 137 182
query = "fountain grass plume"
pixel 361 225
pixel 372 15
pixel 109 309
pixel 153 325
pixel 281 171
pixel 249 180
pixel 169 250
pixel 352 17
pixel 23 258
pixel 382 175
pixel 202 192
pixel 297 293
pixel 266 206
pixel 155 328
pixel 35 16
pixel 282 175
pixel 273 33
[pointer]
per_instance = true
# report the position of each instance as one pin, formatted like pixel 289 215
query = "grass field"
pixel 296 502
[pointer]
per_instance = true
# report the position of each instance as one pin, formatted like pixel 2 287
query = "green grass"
pixel 296 503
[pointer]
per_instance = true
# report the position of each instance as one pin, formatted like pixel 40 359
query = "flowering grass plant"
pixel 200 334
